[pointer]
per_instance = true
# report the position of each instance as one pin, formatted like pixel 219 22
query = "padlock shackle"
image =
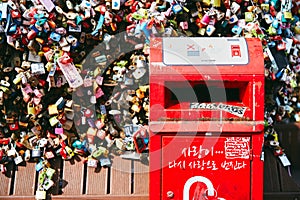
pixel 192 180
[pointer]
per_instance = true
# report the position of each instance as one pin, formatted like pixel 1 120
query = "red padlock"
pixel 20 145
pixel 15 14
pixel 129 18
pixel 1 154
pixel 88 113
pixel 134 6
pixel 4 141
pixel 62 144
pixel 63 153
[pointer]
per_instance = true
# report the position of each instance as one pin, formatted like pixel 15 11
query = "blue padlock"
pixel 294 20
pixel 55 37
pixel 279 31
pixel 275 23
pixel 99 25
pixel 102 109
pixel 271 44
pixel 236 29
pixel 176 8
pixel 39 166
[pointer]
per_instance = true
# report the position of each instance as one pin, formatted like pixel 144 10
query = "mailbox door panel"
pixel 206 167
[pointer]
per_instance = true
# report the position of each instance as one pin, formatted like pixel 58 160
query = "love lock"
pixel 210 193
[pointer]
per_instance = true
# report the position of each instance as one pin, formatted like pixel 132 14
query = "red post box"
pixel 206 118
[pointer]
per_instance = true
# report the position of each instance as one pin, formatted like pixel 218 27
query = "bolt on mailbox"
pixel 206 119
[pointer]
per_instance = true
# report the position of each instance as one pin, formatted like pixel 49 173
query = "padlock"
pixel 92 162
pixel 69 113
pixel 105 162
pixel 36 152
pixel 31 109
pixel 101 134
pixel 18 159
pixel 63 153
pixel 235 7
pixel 27 155
pixel 49 154
pixel 115 4
pixel 42 177
pixel 210 30
pixel 69 151
pixel 42 142
pixel 11 153
pixel 120 144
pixel 236 29
pixel 139 73
pixel 52 109
pixel 48 184
pixel 88 81
pixel 40 195
pixel 3 168
pixel 59 131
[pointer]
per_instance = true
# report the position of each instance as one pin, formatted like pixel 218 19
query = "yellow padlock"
pixel 31 109
pixel 287 15
pixel 17 79
pixel 206 2
pixel 217 3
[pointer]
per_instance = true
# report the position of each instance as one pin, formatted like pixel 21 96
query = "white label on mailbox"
pixel 235 110
pixel 205 51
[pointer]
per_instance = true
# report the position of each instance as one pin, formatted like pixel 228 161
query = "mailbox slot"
pixel 181 94
pixel 194 98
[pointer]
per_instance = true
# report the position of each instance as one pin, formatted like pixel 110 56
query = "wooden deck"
pixel 125 179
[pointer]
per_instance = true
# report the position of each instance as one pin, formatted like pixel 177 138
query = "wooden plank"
pixel 289 137
pixel 287 182
pixel 55 164
pixel 120 179
pixel 271 176
pixel 5 180
pixel 141 178
pixel 73 177
pixel 25 179
pixel 96 182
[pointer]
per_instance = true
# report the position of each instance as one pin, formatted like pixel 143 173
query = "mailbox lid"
pixel 224 162
pixel 180 55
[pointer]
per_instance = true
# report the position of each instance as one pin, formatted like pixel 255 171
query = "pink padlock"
pixel 205 19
